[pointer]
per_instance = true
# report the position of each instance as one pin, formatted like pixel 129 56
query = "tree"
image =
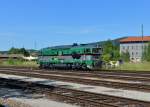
pixel 19 51
pixel 125 56
pixel 110 51
pixel 14 51
pixel 146 53
pixel 116 54
pixel 106 57
pixel 24 52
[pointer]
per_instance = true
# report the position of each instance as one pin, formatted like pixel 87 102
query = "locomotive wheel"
pixel 40 66
pixel 84 66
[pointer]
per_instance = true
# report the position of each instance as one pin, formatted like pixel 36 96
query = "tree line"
pixel 19 51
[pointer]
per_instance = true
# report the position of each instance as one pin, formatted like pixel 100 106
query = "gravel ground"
pixel 19 98
pixel 133 94
pixel 22 102
pixel 43 103
pixel 13 103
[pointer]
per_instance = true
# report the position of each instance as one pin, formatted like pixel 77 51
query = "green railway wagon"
pixel 73 57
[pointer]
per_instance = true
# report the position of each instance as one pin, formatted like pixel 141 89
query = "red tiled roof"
pixel 135 39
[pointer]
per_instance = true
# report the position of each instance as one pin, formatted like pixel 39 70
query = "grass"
pixel 144 66
pixel 18 63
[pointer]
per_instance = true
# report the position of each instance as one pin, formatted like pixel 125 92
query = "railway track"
pixel 82 98
pixel 77 79
pixel 133 86
pixel 104 72
pixel 116 72
pixel 113 75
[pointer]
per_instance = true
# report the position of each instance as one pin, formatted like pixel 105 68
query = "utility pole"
pixel 12 45
pixel 142 34
pixel 35 45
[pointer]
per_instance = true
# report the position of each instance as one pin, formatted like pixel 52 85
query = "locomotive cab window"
pixel 87 50
pixel 96 50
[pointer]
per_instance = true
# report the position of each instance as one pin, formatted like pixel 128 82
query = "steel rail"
pixel 133 86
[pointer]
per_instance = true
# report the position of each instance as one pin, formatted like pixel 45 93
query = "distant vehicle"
pixel 72 57
pixel 30 58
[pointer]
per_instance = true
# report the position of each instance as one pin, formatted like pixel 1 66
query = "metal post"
pixel 142 32
pixel 35 45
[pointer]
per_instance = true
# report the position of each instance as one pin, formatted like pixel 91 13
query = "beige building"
pixel 135 46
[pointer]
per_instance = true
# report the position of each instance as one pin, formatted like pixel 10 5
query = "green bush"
pixel 11 61
pixel 1 62
pixel 125 56
pixel 106 58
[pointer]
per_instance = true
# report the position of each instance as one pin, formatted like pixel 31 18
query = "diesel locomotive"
pixel 72 57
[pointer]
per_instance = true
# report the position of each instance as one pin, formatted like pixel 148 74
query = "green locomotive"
pixel 73 57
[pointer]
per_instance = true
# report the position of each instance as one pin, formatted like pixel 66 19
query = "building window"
pixel 132 47
pixel 123 47
pixel 137 47
pixel 132 53
pixel 136 53
pixel 142 47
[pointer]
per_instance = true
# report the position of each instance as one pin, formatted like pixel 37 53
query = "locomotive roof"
pixel 90 45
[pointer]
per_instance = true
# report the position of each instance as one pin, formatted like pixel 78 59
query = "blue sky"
pixel 58 22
